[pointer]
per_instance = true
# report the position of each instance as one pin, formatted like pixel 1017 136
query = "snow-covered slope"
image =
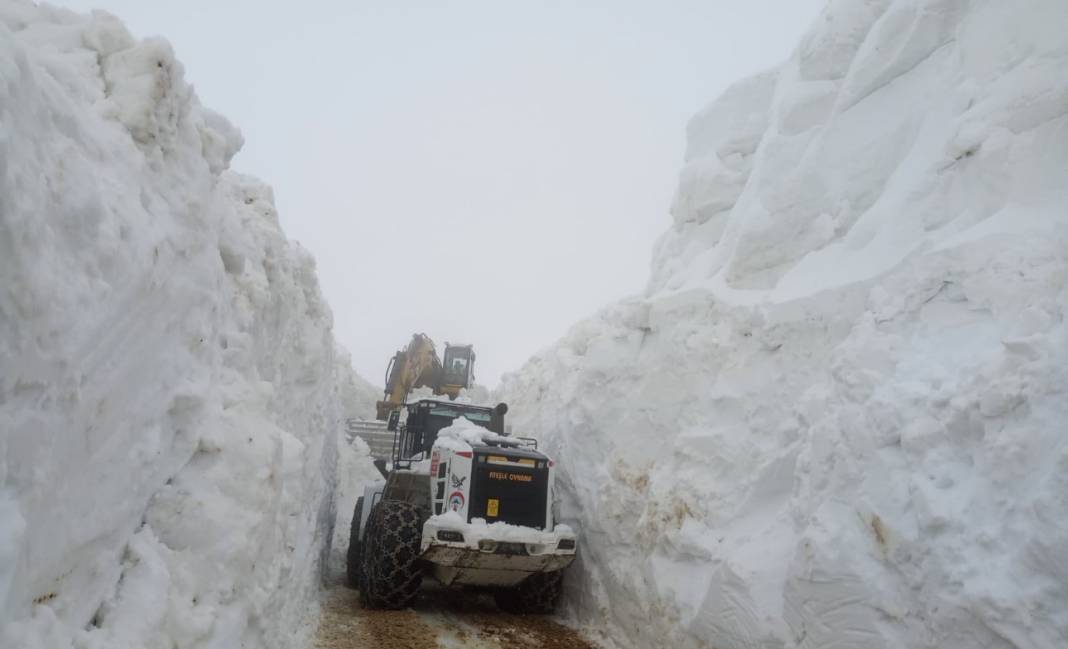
pixel 170 393
pixel 358 396
pixel 837 416
pixel 354 467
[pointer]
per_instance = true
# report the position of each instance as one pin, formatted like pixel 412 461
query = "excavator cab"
pixel 457 370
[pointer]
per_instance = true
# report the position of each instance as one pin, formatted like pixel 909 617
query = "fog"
pixel 484 172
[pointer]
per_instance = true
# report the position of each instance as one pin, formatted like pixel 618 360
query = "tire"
pixel 368 549
pixel 537 594
pixel 391 556
pixel 353 557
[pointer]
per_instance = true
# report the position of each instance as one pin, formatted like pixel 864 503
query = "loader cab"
pixel 427 417
pixel 457 368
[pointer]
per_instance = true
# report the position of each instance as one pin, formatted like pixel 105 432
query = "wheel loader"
pixel 461 503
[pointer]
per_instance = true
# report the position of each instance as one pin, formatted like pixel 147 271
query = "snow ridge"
pixel 170 396
pixel 836 416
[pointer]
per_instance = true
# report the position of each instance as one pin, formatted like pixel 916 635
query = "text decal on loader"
pixel 492 507
pixel 515 477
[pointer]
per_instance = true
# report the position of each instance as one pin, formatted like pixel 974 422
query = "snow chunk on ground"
pixel 170 395
pixel 836 416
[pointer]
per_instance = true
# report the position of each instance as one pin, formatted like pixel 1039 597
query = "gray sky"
pixel 484 171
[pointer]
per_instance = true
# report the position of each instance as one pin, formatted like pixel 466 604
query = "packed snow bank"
pixel 837 416
pixel 358 396
pixel 355 469
pixel 169 397
pixel 477 395
pixel 354 472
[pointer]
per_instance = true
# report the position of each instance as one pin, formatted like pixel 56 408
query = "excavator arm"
pixel 415 366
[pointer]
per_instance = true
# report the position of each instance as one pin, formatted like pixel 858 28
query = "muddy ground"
pixel 441 619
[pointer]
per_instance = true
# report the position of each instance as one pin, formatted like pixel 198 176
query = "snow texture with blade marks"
pixel 836 416
pixel 171 393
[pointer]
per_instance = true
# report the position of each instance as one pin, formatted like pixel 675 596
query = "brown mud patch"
pixel 441 619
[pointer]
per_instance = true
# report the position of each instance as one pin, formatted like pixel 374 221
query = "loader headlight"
pixel 566 544
pixel 450 536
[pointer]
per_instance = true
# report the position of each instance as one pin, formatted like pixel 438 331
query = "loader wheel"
pixel 536 594
pixel 352 563
pixel 391 560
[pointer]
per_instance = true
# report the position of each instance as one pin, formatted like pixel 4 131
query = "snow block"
pixel 836 416
pixel 171 394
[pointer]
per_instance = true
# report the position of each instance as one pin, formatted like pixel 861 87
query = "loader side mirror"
pixel 394 419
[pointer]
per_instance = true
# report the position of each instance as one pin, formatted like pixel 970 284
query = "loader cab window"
pixel 426 419
pixel 443 416
pixel 476 416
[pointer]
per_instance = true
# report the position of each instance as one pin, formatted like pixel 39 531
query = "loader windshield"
pixel 426 417
pixel 452 413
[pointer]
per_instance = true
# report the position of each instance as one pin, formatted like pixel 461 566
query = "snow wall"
pixel 837 416
pixel 170 394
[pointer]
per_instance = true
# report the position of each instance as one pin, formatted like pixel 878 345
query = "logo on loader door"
pixel 456 501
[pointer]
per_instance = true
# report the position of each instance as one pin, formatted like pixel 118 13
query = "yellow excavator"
pixel 418 365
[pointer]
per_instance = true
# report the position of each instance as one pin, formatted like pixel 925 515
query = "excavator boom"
pixel 418 365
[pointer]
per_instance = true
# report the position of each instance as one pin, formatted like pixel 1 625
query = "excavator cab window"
pixel 457 366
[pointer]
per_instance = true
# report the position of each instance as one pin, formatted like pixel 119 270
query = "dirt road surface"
pixel 441 619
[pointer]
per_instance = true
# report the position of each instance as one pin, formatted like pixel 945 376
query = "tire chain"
pixel 370 549
pixel 391 555
pixel 353 558
pixel 537 594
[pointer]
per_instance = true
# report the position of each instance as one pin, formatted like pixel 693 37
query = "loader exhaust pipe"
pixel 497 418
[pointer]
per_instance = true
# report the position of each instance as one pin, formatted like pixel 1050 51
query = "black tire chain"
pixel 352 562
pixel 392 560
pixel 536 594
pixel 370 549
